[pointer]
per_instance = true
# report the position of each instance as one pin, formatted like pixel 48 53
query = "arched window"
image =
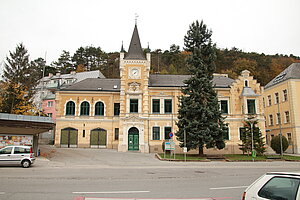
pixel 99 109
pixel 85 108
pixel 246 83
pixel 70 108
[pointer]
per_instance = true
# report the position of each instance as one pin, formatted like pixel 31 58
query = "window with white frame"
pixel 226 135
pixel 289 137
pixel 287 117
pixel 50 104
pixel 269 100
pixel 251 106
pixel 276 98
pixel 271 120
pixel 224 106
pixel 155 133
pixel 278 118
pixel 285 96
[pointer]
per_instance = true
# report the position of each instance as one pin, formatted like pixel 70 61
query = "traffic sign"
pixel 171 134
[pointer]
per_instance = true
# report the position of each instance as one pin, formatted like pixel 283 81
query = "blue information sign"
pixel 171 134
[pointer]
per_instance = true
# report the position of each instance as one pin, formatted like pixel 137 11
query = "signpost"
pixel 170 145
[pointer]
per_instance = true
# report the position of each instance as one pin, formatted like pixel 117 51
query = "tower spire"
pixel 135 51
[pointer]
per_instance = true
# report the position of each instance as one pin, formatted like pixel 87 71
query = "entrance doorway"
pixel 133 139
pixel 69 137
pixel 98 138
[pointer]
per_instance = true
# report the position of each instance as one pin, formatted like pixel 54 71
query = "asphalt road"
pixel 85 173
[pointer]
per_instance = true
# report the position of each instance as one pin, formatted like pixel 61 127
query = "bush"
pixel 275 144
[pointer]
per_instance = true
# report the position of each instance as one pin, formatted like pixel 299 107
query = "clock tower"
pixel 134 97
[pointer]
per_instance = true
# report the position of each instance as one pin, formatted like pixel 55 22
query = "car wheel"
pixel 26 163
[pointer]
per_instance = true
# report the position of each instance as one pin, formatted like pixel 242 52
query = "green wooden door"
pixel 98 138
pixel 69 137
pixel 133 139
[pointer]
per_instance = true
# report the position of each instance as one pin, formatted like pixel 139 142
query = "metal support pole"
pixel 184 145
pixel 252 140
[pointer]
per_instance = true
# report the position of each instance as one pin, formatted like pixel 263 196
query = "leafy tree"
pixel 15 99
pixel 246 137
pixel 275 144
pixel 199 115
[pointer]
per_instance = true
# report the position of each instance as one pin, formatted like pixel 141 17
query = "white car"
pixel 275 186
pixel 17 155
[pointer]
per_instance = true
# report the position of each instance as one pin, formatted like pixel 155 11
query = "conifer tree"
pixel 250 127
pixel 19 79
pixel 199 114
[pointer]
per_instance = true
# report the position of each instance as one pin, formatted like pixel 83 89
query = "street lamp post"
pixel 280 132
pixel 252 140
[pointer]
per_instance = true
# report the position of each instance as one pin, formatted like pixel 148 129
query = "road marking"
pixel 111 192
pixel 2 192
pixel 108 198
pixel 225 188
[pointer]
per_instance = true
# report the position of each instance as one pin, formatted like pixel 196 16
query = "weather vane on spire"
pixel 136 17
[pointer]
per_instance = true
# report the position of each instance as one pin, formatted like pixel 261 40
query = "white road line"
pixel 225 188
pixel 2 193
pixel 111 192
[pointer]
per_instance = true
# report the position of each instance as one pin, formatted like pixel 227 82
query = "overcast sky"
pixel 46 27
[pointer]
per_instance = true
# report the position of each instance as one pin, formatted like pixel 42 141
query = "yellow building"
pixel 138 111
pixel 282 104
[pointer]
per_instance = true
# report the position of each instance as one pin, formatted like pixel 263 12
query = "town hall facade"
pixel 139 111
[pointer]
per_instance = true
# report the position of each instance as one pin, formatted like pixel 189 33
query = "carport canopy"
pixel 24 124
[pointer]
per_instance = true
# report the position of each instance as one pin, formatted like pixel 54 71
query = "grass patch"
pixel 241 157
pixel 230 157
pixel 181 156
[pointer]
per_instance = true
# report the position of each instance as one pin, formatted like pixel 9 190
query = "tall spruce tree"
pixel 199 115
pixel 18 82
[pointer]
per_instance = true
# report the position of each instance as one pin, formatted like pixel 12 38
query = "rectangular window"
pixel 276 98
pixel 155 106
pixel 287 116
pixel 285 96
pixel 168 130
pixel 134 105
pixel 278 118
pixel 264 103
pixel 50 114
pixel 242 132
pixel 116 133
pixel 168 105
pixel 271 121
pixel 50 104
pixel 224 106
pixel 269 100
pixel 156 133
pixel 289 137
pixel 116 109
pixel 226 135
pixel 251 106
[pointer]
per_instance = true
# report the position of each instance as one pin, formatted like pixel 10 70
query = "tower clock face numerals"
pixel 134 73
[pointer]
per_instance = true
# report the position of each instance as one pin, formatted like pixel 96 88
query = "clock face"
pixel 134 72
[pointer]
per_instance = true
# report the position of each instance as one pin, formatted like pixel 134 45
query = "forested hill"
pixel 173 61
pixel 232 62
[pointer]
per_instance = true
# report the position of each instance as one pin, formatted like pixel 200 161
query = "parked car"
pixel 17 155
pixel 275 186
